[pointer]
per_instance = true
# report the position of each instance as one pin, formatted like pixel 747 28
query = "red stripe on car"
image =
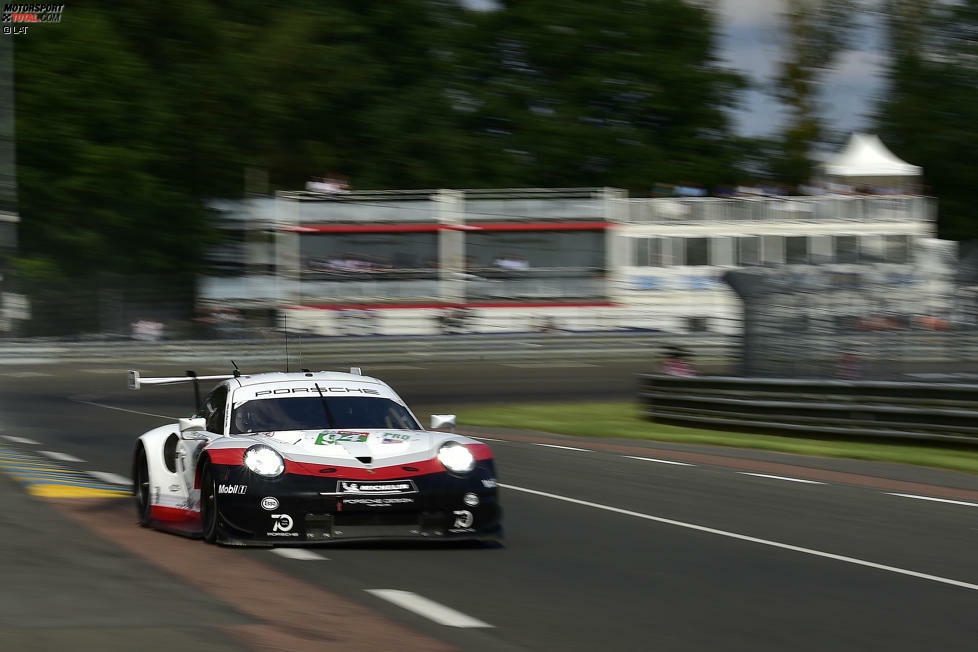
pixel 235 457
pixel 173 514
pixel 227 456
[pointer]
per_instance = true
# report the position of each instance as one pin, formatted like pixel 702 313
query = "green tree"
pixel 92 130
pixel 127 121
pixel 930 109
pixel 815 32
pixel 625 93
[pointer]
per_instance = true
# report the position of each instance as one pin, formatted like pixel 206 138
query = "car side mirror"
pixel 193 428
pixel 439 421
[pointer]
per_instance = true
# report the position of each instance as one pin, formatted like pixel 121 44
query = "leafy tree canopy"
pixel 128 119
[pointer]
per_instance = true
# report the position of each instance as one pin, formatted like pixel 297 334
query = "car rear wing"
pixel 136 381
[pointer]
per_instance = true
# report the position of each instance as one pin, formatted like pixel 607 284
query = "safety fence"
pixel 336 352
pixel 877 409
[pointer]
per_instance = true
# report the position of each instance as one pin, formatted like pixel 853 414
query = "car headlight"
pixel 264 460
pixel 456 457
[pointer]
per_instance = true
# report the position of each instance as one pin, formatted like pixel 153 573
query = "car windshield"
pixel 309 413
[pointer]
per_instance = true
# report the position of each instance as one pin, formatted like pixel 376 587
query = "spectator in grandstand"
pixel 849 366
pixel 675 362
pixel 811 189
pixel 689 190
pixel 329 184
pixel 511 262
pixel 744 190
pixel 147 330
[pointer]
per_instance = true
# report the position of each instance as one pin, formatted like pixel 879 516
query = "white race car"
pixel 311 458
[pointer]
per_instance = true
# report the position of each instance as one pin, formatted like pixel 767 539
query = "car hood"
pixel 350 445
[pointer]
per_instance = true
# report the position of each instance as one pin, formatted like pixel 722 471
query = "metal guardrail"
pixel 354 350
pixel 942 412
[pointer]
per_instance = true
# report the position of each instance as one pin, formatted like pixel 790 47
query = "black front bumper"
pixel 305 509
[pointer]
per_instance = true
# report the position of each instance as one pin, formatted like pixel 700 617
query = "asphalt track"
pixel 611 544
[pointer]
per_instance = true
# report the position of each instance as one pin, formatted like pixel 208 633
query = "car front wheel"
pixel 208 506
pixel 140 486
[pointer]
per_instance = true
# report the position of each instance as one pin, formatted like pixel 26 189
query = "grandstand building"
pixel 427 261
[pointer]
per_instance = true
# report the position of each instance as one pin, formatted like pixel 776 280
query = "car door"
pixel 192 443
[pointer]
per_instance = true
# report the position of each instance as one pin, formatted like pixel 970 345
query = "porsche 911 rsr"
pixel 311 458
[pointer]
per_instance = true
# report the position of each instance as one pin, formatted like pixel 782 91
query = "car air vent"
pixel 327 470
pixel 366 459
pixel 410 468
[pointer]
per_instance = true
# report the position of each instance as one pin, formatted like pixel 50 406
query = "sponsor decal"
pixel 232 489
pixel 463 519
pixel 470 499
pixel 269 503
pixel 395 438
pixel 283 523
pixel 29 13
pixel 328 438
pixel 377 488
pixel 490 483
pixel 378 502
pixel 313 390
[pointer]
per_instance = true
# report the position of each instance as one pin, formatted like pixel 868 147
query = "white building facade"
pixel 428 261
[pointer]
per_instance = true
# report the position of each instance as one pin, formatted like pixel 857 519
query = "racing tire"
pixel 140 486
pixel 208 506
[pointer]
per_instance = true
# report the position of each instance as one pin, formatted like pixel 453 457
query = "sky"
pixel 750 41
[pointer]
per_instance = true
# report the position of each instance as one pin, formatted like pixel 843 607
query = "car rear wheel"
pixel 140 486
pixel 208 506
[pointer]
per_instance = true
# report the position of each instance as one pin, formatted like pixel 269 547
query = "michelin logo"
pixel 377 488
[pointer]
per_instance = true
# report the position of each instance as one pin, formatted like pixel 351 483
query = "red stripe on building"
pixel 535 226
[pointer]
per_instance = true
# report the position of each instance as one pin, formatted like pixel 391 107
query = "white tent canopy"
pixel 865 159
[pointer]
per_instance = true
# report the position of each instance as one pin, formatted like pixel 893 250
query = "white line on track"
pixel 779 477
pixel 299 553
pixel 485 438
pixel 428 608
pixel 937 500
pixel 391 367
pixel 112 407
pixel 548 365
pixel 28 374
pixel 21 440
pixel 652 459
pixel 566 448
pixel 61 457
pixel 111 478
pixel 744 537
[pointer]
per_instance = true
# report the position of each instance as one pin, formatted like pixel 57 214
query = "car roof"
pixel 246 380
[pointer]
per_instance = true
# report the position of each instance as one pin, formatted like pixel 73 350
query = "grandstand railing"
pixel 693 210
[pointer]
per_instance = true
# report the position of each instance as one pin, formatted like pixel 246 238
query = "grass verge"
pixel 624 419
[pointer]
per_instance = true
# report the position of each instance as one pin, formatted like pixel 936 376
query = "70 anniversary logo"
pixel 17 17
